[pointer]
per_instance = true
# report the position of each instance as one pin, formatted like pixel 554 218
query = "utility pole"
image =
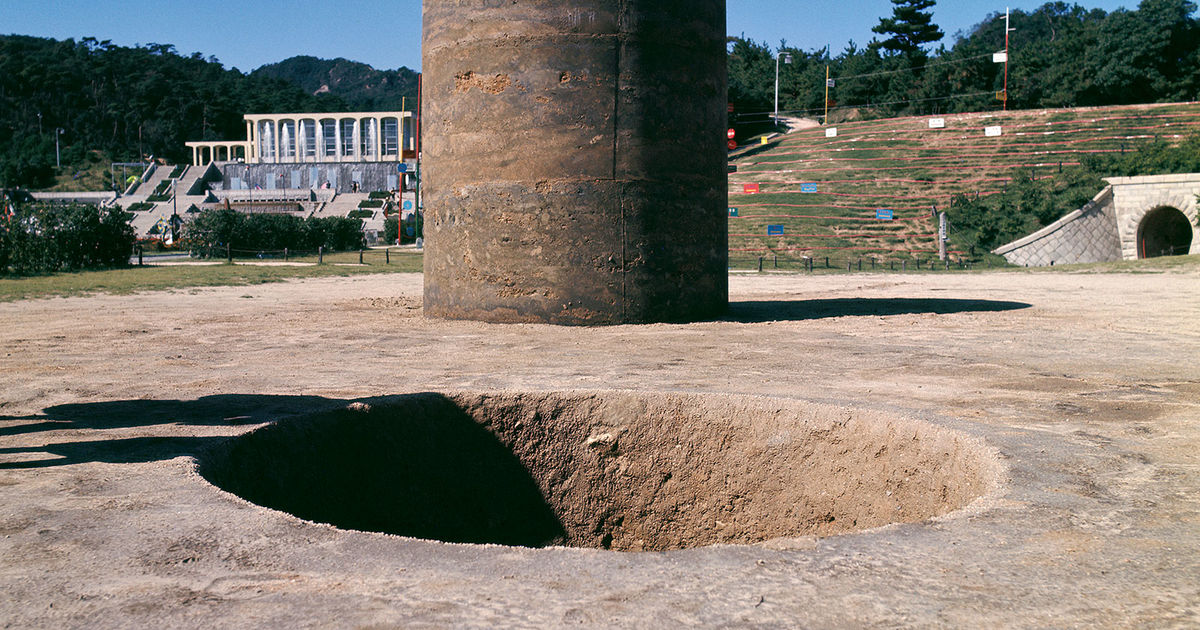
pixel 827 82
pixel 418 220
pixel 57 154
pixel 1007 30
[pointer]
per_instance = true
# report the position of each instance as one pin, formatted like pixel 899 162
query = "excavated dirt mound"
pixel 615 470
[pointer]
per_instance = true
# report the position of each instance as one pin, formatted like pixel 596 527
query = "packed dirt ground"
pixel 1073 398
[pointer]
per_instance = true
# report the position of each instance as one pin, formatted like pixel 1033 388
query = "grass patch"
pixel 184 276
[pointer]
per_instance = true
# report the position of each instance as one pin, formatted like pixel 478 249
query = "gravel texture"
pixel 1080 393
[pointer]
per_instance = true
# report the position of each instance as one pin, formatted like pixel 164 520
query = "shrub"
pixel 43 238
pixel 161 191
pixel 361 214
pixel 391 225
pixel 208 233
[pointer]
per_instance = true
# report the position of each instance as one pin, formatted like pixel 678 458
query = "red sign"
pixel 730 109
pixel 732 145
pixel 750 189
pixel 731 133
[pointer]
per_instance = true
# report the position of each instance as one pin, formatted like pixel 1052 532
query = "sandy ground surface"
pixel 1088 386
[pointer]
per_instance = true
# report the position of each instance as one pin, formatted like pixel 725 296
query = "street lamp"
pixel 787 59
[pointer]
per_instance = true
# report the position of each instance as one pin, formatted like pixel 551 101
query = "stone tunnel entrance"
pixel 1165 231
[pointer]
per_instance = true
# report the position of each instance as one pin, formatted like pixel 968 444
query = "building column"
pixel 358 139
pixel 337 132
pixel 275 144
pixel 300 139
pixel 377 122
pixel 253 140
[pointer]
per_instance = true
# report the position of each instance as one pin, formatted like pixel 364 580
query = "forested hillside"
pixel 119 103
pixel 124 102
pixel 362 87
pixel 1061 55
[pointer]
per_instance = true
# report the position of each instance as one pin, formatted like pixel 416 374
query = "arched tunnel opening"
pixel 1165 231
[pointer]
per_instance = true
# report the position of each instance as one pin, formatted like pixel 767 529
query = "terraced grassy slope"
pixel 905 166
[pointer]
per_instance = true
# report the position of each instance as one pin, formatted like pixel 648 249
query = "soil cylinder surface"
pixel 574 161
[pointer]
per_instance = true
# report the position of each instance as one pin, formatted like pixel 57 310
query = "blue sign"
pixel 808 188
pixel 402 167
pixel 774 230
pixel 407 205
pixel 733 212
pixel 883 214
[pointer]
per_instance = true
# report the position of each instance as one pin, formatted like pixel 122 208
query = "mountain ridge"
pixel 360 85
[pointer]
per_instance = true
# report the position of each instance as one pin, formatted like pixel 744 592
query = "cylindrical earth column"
pixel 574 160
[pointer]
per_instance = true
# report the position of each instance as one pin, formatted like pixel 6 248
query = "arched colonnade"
pixel 317 139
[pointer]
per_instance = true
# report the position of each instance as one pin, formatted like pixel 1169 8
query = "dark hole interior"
pixel 623 471
pixel 1165 232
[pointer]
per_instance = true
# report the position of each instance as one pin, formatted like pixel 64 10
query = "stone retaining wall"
pixel 1107 228
pixel 1083 236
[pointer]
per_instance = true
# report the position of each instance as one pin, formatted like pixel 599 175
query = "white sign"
pixel 937 123
pixel 993 132
pixel 1000 57
pixel 831 132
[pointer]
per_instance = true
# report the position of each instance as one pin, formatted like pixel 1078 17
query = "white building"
pixel 334 138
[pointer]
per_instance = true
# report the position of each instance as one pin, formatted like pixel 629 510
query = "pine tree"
pixel 910 27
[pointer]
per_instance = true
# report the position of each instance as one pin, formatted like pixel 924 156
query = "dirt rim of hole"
pixel 619 470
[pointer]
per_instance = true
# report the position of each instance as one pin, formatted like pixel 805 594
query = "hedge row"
pixel 44 238
pixel 208 234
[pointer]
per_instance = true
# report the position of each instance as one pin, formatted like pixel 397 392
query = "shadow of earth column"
pixel 574 160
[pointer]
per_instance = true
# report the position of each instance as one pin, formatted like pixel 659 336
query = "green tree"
pixel 45 238
pixel 751 75
pixel 910 28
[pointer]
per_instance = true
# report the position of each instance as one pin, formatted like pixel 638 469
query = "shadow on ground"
pixel 798 310
pixel 414 465
pixel 221 410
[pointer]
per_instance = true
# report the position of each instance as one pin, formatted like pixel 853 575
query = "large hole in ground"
pixel 615 470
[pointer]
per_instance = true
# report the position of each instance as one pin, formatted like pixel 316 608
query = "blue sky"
pixel 387 33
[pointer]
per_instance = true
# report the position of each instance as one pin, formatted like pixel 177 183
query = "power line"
pixel 928 65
